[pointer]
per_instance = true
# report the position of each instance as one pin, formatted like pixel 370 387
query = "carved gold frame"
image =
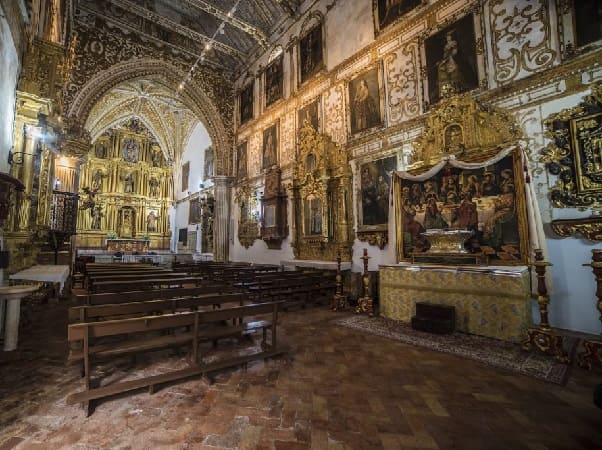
pixel 575 187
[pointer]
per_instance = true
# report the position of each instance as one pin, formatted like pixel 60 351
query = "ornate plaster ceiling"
pixel 170 121
pixel 188 25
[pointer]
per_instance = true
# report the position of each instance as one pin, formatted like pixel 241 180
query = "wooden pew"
pixel 153 283
pixel 104 298
pixel 89 313
pixel 141 335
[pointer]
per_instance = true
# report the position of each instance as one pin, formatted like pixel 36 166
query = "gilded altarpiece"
pixel 127 183
pixel 466 178
pixel 248 218
pixel 321 199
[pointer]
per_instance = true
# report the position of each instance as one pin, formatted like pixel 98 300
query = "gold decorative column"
pixel 592 353
pixel 543 337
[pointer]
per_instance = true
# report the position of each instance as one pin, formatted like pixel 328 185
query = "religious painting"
pixel 313 215
pixel 364 102
pixel 208 168
pixel 185 175
pixel 309 113
pixel 130 150
pixel 152 219
pixel 375 185
pixel 194 211
pixel 451 59
pixel 241 160
pixel 246 104
pixel 311 53
pixel 488 202
pixel 588 21
pixel 270 146
pixel 269 219
pixel 388 11
pixel 273 81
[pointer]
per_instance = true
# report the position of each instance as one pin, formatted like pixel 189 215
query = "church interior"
pixel 300 224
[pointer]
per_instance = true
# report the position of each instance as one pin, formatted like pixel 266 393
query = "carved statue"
pixel 90 201
pixel 128 183
pixel 154 187
pixel 96 217
pixel 151 222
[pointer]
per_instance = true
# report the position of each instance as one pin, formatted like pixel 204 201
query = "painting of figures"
pixel 388 11
pixel 309 114
pixel 246 104
pixel 486 201
pixel 375 184
pixel 364 102
pixel 270 147
pixel 273 81
pixel 241 160
pixel 451 59
pixel 311 56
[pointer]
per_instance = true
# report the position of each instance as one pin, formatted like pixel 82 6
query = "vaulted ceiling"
pixel 168 119
pixel 189 25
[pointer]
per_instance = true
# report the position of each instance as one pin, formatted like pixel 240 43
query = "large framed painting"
pixel 273 81
pixel 375 185
pixel 310 114
pixel 488 201
pixel 388 11
pixel 241 160
pixel 194 211
pixel 311 53
pixel 451 59
pixel 270 146
pixel 588 21
pixel 185 175
pixel 365 102
pixel 246 104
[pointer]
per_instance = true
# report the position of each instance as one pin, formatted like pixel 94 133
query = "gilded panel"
pixel 402 74
pixel 287 136
pixel 334 117
pixel 521 38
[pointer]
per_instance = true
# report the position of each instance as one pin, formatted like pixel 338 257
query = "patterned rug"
pixel 492 352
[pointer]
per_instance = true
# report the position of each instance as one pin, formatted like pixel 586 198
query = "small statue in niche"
pixel 90 201
pixel 151 222
pixel 156 157
pixel 96 217
pixel 128 183
pixel 101 150
pixel 154 187
pixel 97 180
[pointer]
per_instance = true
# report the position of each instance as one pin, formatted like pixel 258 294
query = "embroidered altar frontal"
pixel 489 301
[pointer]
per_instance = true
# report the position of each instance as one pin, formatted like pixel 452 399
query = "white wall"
pixel 194 152
pixel 9 72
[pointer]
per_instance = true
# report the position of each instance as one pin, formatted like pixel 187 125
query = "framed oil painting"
pixel 194 211
pixel 489 202
pixel 310 113
pixel 246 104
pixel 388 11
pixel 375 185
pixel 270 147
pixel 451 59
pixel 273 81
pixel 185 175
pixel 364 102
pixel 241 160
pixel 311 53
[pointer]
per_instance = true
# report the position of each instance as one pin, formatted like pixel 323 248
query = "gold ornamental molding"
pixel 590 228
pixel 459 126
pixel 380 238
pixel 575 153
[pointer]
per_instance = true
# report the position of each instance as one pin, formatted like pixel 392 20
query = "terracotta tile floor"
pixel 339 390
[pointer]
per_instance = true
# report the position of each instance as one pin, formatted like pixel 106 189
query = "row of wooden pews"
pixel 187 313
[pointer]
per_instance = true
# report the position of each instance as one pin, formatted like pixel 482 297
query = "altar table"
pixel 491 301
pixel 45 273
pixel 128 245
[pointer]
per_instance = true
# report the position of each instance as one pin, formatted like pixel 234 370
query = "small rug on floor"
pixel 492 352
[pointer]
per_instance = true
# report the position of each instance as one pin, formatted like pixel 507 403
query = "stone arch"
pixel 192 95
